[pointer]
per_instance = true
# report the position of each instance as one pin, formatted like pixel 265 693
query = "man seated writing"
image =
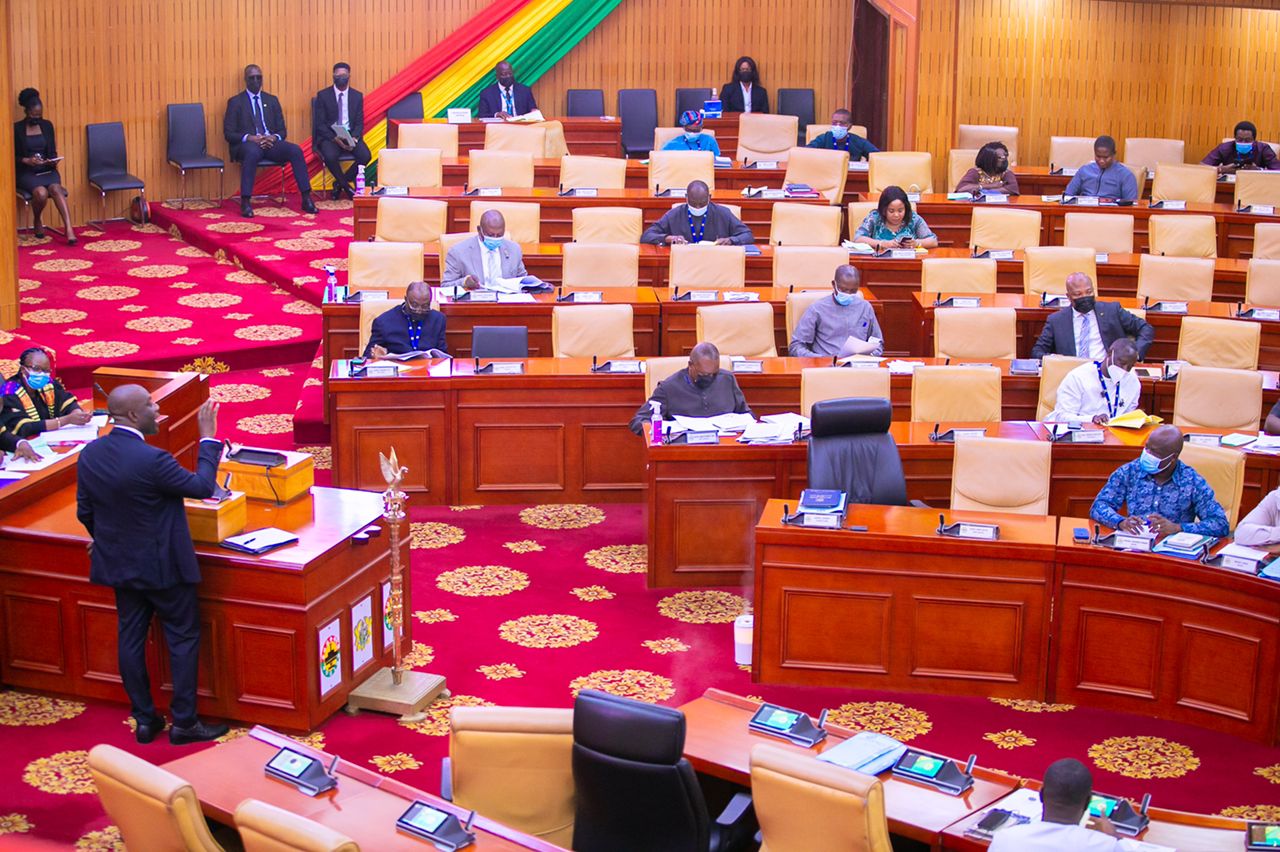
pixel 698 221
pixel 700 390
pixel 479 263
pixel 409 327
pixel 1099 391
pixel 828 324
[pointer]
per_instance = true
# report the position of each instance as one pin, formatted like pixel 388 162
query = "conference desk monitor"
pixel 436 826
pixel 305 773
pixel 1261 836
pixel 935 771
pixel 791 725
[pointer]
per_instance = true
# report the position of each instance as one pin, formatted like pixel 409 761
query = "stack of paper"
pixel 1184 544
pixel 904 367
pixel 866 751
pixel 74 434
pixel 766 433
pixel 47 457
pixel 788 420
pixel 725 424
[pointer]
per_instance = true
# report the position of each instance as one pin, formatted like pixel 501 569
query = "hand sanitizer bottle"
pixel 655 422
pixel 359 180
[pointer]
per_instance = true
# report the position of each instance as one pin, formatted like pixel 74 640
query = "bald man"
pixel 1088 327
pixel 409 327
pixel 1162 495
pixel 698 221
pixel 700 390
pixel 1064 800
pixel 476 264
pixel 129 497
pixel 506 98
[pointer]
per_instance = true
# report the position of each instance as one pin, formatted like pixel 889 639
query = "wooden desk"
pixel 1036 180
pixel 592 136
pixel 364 806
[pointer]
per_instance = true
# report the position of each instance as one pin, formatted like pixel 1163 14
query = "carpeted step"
pixel 308 420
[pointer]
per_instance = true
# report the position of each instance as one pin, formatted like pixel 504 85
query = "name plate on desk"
pixel 902 254
pixel 490 190
pixel 1086 200
pixel 741 296
pixel 1048 301
pixel 1240 563
pixel 1000 254
pixel 962 302
pixel 1088 436
pixel 702 295
pixel 995 198
pixel 1101 257
pixel 368 296
pixel 1204 440
pixel 746 366
pixel 1068 172
pixel 913 197
pixel 506 368
pixel 1262 209
pixel 482 296
pixel 708 437
pixel 1264 313
pixel 1171 205
pixel 458 115
pixel 381 371
pixel 1170 307
pixel 983 532
pixel 586 192
pixel 821 520
pixel 765 164
pixel 775 194
pixel 960 434
pixel 1131 541
pixel 859 166
pixel 624 367
pixel 586 296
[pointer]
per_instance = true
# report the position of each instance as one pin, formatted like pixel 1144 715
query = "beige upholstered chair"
pixel 858 212
pixel 813 131
pixel 592 172
pixel 825 171
pixel 266 828
pixel 1262 283
pixel 152 807
pixel 522 138
pixel 523 218
pixel 1053 369
pixel 1101 232
pixel 607 224
pixel 600 265
pixel 959 161
pixel 556 146
pixel 1182 182
pixel 1175 278
pixel 956 394
pixel 430 134
pixel 411 220
pixel 580 331
pixel 1070 152
pixel 410 167
pixel 794 224
pixel 1266 241
pixel 799 302
pixel 489 169
pixel 370 311
pixel 806 805
pixel 447 242
pixel 657 369
pixel 1147 153
pixel 707 267
pixel 822 383
pixel 976 135
pixel 1139 176
pixel 1001 475
pixel 515 766
pixel 1223 469
pixel 1211 342
pixel 911 170
pixel 663 135
pixel 677 169
pixel 743 328
pixel 1257 187
pixel 1182 235
pixel 807 266
pixel 958 275
pixel 1004 228
pixel 765 136
pixel 378 266
pixel 1045 268
pixel 1217 398
pixel 975 334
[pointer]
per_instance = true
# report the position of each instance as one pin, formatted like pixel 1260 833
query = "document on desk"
pixel 1269 444
pixel 904 367
pixel 71 434
pixel 766 433
pixel 507 298
pixel 723 423
pixel 47 458
pixel 788 420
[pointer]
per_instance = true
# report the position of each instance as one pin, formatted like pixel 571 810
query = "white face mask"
pixel 697 211
pixel 1116 373
pixel 692 132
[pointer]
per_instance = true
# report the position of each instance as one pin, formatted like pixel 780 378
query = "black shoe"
pixel 147 731
pixel 308 206
pixel 72 240
pixel 197 733
pixel 38 230
pixel 245 209
pixel 337 193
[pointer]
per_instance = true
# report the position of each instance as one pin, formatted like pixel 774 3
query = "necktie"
pixel 1084 349
pixel 342 107
pixel 511 106
pixel 492 269
pixel 257 116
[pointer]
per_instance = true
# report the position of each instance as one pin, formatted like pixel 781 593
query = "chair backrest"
pixel 1212 342
pixel 638 110
pixel 411 220
pixel 1223 469
pixel 742 328
pixel 976 135
pixel 635 789
pixel 447 242
pixel 1217 398
pixel 957 275
pixel 1183 182
pixel 1004 228
pixel 807 266
pixel 499 168
pixel 370 310
pixel 605 331
pixel 105 149
pixel 1266 241
pixel 523 138
pixel 858 211
pixel 1147 153
pixel 1070 152
pixel 578 172
pixel 1045 268
pixel 957 394
pixel 978 334
pixel 797 102
pixel 266 828
pixel 186 131
pixel 410 167
pixel 430 134
pixel 959 161
pixel 1139 176
pixel 607 224
pixel 825 171
pixel 1001 475
pixel 600 265
pixel 523 218
pixel 1257 187
pixel 408 108
pixel 1262 283
pixel 586 103
pixel 1182 235
pixel 804 804
pixel 762 136
pixel 794 224
pixel 1053 369
pixel 153 808
pixel 500 341
pixel 378 266
pixel 691 99
pixel 677 169
pixel 813 131
pixel 1179 279
pixel 911 170
pixel 799 302
pixel 663 135
pixel 1104 232
pixel 851 450
pixel 718 267
pixel 822 383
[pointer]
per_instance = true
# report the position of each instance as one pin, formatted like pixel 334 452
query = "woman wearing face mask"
pixel 744 93
pixel 893 224
pixel 34 401
pixel 991 172
pixel 693 138
pixel 36 151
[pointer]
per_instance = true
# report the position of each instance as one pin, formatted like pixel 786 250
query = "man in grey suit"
pixel 475 264
pixel 698 221
pixel 1089 327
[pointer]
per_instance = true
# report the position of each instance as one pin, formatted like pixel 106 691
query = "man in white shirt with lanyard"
pixel 1068 787
pixel 1100 390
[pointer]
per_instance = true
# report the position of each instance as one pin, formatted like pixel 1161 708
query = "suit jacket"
pixel 720 223
pixel 129 497
pixel 465 259
pixel 491 100
pixel 324 114
pixel 731 98
pixel 237 122
pixel 391 331
pixel 1059 335
pixel 20 149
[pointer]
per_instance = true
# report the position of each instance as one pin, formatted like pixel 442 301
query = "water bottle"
pixel 331 283
pixel 655 423
pixel 359 180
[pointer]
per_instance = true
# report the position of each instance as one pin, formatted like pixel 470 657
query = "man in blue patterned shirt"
pixel 1161 493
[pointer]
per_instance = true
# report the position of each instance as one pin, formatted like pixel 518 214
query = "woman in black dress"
pixel 37 154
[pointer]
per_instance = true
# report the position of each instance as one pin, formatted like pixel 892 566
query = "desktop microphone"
pixel 968 766
pixel 791 288
pixel 477 365
pixel 1146 803
pixel 1097 533
pixel 100 390
pixel 822 717
pixel 1239 309
pixel 786 513
pixel 471 817
pixel 933 436
pixel 593 363
pixel 942 522
pixel 947 363
pixel 332 767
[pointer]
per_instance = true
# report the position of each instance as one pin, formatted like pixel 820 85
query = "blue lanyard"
pixel 1106 397
pixel 697 238
pixel 415 332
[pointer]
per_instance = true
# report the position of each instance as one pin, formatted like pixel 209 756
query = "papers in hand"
pixel 259 541
pixel 854 346
pixel 515 285
pixel 72 434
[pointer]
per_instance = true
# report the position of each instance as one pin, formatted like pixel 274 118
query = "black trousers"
pixel 330 151
pixel 179 616
pixel 281 152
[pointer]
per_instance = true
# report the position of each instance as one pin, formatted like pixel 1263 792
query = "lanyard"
pixel 702 226
pixel 415 332
pixel 1106 397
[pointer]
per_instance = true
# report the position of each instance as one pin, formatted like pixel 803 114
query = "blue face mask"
pixel 1244 148
pixel 38 381
pixel 492 243
pixel 691 134
pixel 839 131
pixel 844 300
pixel 1149 463
pixel 697 211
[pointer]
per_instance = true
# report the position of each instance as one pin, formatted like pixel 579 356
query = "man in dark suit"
pixel 505 98
pixel 344 106
pixel 697 221
pixel 129 497
pixel 255 130
pixel 1089 327
pixel 411 327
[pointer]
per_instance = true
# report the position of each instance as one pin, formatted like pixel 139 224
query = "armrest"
pixel 446 779
pixel 739 807
pixel 919 504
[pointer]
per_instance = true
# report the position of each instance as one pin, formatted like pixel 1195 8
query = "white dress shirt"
pixel 1080 396
pixel 256 108
pixel 746 96
pixel 1088 341
pixel 508 95
pixel 342 95
pixel 1261 527
pixel 1051 837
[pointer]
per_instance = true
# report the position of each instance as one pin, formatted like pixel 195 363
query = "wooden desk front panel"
pixel 368 417
pixel 585 136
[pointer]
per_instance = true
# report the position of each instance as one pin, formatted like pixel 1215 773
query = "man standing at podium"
pixel 129 497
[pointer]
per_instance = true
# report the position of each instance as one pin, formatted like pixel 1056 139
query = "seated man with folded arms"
pixel 1068 787
pixel 410 327
pixel 841 138
pixel 1104 177
pixel 34 401
pixel 698 221
pixel 1100 390
pixel 701 390
pixel 1162 494
pixel 1088 327
pixel 477 264
pixel 693 139
pixel 1242 152
pixel 827 325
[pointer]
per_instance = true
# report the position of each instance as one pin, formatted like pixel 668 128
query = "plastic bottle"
pixel 359 180
pixel 331 284
pixel 655 422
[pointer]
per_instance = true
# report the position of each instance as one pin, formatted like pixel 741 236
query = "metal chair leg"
pixel 183 191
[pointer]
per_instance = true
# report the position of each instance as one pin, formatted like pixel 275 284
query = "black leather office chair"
pixel 851 450
pixel 109 162
pixel 408 108
pixel 797 102
pixel 638 109
pixel 500 341
pixel 186 149
pixel 584 102
pixel 690 99
pixel 635 789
